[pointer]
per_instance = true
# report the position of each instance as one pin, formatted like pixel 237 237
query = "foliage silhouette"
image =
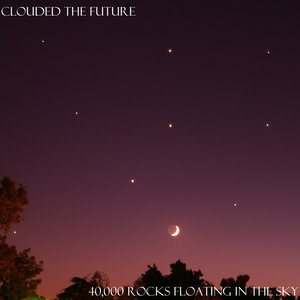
pixel 153 280
pixel 231 284
pixel 80 287
pixel 18 270
pixel 13 198
pixel 180 276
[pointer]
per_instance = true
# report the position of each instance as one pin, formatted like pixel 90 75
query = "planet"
pixel 173 230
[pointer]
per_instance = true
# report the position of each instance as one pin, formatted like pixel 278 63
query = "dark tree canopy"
pixel 18 271
pixel 80 287
pixel 152 277
pixel 13 198
pixel 180 276
pixel 240 281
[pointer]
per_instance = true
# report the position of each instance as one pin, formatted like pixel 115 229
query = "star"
pixel 234 204
pixel 170 125
pixel 267 125
pixel 14 232
pixel 268 52
pixel 132 180
pixel 170 50
pixel 76 113
pixel 43 41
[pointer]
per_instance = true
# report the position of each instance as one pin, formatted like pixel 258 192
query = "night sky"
pixel 86 106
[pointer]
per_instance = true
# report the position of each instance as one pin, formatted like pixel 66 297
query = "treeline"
pixel 19 271
pixel 180 284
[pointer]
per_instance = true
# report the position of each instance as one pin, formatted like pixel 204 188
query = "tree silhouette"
pixel 13 198
pixel 231 284
pixel 180 277
pixel 241 282
pixel 18 271
pixel 153 277
pixel 80 289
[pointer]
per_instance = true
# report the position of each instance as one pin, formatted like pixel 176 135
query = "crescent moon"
pixel 176 232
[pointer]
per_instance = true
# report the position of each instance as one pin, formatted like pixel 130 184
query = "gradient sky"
pixel 219 88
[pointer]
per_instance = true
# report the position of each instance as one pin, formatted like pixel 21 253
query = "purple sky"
pixel 218 88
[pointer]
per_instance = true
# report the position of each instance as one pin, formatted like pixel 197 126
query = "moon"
pixel 174 230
